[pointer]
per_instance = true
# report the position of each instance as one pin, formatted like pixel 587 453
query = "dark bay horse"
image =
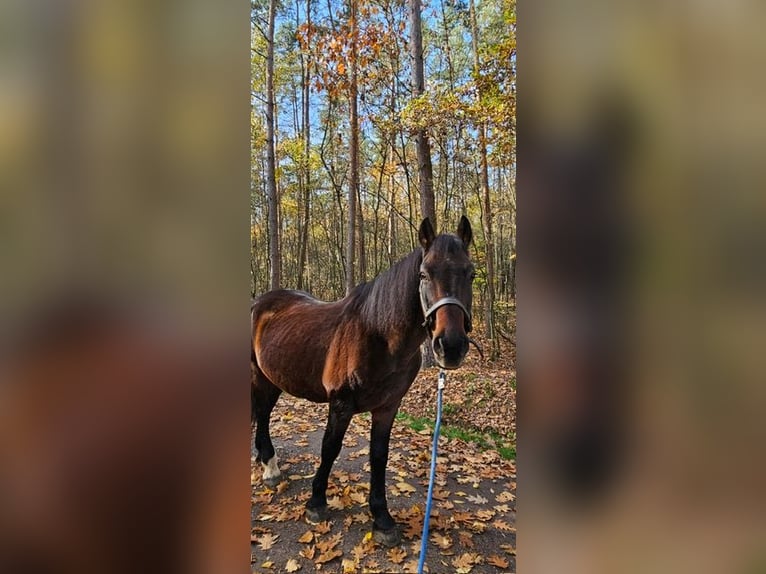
pixel 361 354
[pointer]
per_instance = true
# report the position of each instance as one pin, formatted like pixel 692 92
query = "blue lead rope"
pixel 429 498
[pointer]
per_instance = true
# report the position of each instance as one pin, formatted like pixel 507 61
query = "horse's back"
pixel 291 332
pixel 280 299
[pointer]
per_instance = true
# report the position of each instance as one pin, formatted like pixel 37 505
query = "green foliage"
pixel 505 446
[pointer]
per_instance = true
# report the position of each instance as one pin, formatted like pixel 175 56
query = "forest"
pixel 369 115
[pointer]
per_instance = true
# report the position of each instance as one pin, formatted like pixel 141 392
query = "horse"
pixel 361 354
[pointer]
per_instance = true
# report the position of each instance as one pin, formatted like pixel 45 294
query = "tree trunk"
pixel 361 249
pixel 354 159
pixel 425 171
pixel 271 180
pixel 305 81
pixel 489 307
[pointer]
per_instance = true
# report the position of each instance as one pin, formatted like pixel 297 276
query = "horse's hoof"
pixel 316 515
pixel 389 538
pixel 272 481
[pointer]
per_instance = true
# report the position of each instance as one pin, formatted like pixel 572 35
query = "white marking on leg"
pixel 271 469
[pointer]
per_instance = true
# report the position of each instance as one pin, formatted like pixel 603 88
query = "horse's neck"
pixel 393 304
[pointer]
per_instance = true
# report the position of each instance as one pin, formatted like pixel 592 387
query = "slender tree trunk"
pixel 425 170
pixel 378 197
pixel 271 180
pixel 484 178
pixel 306 67
pixel 447 49
pixel 391 246
pixel 360 239
pixel 354 159
pixel 422 146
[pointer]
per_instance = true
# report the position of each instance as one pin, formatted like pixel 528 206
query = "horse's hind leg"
pixel 341 412
pixel 263 397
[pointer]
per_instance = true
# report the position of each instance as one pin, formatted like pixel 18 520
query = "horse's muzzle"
pixel 450 351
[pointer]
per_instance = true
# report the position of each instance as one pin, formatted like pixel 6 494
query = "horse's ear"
pixel 426 234
pixel 464 231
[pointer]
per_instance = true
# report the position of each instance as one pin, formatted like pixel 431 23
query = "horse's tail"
pixel 253 303
pixel 253 366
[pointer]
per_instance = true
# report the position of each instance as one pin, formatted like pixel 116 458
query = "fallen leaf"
pixel 441 541
pixel 348 566
pixel 485 514
pixel 323 527
pixel 466 539
pixel 329 555
pixel 397 555
pixel 267 541
pixel 498 561
pixel 508 549
pixel 360 551
pixel 267 564
pixel 502 525
pixel 465 517
pixel 329 543
pixel 477 527
pixel 463 563
pixel 292 565
pixel 440 494
pixel 404 487
pixel 504 496
pixel 307 537
pixel 411 566
pixel 477 499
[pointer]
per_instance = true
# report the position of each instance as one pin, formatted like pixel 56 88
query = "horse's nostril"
pixel 453 346
pixel 438 345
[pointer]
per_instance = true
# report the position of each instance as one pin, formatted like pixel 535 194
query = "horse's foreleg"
pixel 383 528
pixel 264 396
pixel 337 423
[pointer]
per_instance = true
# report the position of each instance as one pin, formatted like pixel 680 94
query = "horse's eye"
pixel 423 276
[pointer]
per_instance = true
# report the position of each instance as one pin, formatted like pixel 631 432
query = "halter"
pixel 428 312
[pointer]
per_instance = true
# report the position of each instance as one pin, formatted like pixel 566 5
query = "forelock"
pixel 446 245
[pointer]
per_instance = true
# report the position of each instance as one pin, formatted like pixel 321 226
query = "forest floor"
pixel 472 527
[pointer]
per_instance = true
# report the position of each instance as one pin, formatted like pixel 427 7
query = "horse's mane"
pixel 390 300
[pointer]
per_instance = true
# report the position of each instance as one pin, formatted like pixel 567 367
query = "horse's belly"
pixel 296 373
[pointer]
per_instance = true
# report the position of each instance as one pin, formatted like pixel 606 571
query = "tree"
pixel 271 163
pixel 306 168
pixel 425 169
pixel 353 189
pixel 489 307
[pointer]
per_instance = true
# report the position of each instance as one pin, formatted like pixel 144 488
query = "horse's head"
pixel 446 275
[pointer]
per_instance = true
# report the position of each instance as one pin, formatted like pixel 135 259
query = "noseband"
pixel 429 312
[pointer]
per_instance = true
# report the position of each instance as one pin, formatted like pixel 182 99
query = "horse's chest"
pixel 382 387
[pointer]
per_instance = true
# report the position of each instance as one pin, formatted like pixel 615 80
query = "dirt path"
pixel 472 522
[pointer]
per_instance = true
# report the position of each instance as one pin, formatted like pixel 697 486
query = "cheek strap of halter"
pixel 429 311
